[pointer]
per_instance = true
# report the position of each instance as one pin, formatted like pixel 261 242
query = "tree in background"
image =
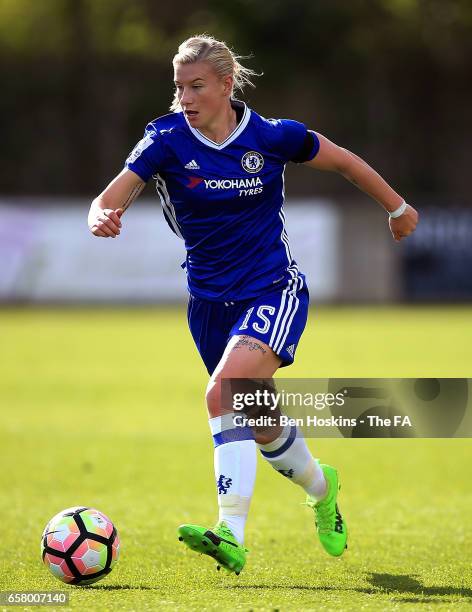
pixel 390 79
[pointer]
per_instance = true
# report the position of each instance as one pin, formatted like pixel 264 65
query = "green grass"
pixel 105 408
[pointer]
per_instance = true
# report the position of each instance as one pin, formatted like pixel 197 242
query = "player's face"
pixel 203 95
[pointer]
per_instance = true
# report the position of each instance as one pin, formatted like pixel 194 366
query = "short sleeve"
pixel 309 150
pixel 147 157
pixel 288 139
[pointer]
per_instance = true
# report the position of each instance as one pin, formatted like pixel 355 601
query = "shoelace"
pixel 325 516
pixel 224 531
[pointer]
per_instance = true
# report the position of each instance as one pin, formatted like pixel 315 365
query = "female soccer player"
pixel 219 167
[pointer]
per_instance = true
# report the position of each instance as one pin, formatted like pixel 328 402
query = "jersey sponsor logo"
pixel 192 165
pixel 193 181
pixel 290 349
pixel 232 183
pixel 252 161
pixel 246 187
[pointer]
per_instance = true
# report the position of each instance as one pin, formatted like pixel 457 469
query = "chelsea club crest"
pixel 252 161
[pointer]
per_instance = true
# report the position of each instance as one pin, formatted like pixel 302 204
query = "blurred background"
pixel 387 79
pixel 104 405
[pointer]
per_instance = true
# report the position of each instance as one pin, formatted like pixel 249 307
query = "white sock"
pixel 235 472
pixel 289 455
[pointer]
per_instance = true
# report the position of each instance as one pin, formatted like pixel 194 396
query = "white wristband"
pixel 399 211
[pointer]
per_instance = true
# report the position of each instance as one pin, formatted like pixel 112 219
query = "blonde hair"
pixel 222 59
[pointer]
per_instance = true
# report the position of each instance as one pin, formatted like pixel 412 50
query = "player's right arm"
pixel 104 218
pixel 337 159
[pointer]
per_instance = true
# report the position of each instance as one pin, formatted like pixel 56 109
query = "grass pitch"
pixel 105 408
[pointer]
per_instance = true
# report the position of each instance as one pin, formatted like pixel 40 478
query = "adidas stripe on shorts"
pixel 277 318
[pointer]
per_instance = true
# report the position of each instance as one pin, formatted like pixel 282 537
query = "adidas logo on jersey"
pixel 192 165
pixel 290 349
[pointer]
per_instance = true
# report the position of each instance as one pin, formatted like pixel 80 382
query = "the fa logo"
pixel 252 161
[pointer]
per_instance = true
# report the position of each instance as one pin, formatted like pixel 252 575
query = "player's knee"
pixel 213 398
pixel 218 395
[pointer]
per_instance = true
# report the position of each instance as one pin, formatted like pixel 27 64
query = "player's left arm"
pixel 336 159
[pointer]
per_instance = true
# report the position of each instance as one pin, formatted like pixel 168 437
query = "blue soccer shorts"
pixel 277 318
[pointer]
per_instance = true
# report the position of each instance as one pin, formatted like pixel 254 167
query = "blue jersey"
pixel 226 200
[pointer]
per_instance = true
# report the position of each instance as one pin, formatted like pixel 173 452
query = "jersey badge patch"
pixel 252 161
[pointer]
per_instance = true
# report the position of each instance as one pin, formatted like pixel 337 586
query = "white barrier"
pixel 47 253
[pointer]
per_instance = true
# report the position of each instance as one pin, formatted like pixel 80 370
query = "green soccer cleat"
pixel 218 543
pixel 330 525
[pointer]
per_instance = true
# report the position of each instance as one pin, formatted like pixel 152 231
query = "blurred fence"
pixel 437 263
pixel 49 255
pixel 346 251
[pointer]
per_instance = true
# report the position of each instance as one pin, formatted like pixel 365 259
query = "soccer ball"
pixel 80 545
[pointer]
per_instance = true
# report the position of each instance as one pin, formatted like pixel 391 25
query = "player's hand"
pixel 405 224
pixel 106 222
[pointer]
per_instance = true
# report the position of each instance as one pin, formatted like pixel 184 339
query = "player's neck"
pixel 222 126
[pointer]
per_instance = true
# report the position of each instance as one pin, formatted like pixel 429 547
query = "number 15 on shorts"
pixel 264 311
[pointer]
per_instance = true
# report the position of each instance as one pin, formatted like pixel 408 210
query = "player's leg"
pixel 275 324
pixel 279 320
pixel 235 446
pixel 235 455
pixel 289 455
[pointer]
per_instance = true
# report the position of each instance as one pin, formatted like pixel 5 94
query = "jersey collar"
pixel 234 134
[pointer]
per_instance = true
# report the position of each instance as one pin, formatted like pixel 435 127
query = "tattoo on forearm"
pixel 252 345
pixel 133 195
